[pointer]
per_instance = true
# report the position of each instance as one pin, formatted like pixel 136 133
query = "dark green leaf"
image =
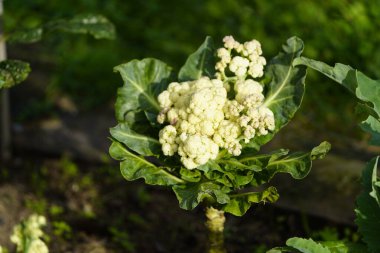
pixel 306 245
pixel 200 63
pixel 286 88
pixel 134 167
pixel 240 203
pixel 141 144
pixel 13 72
pixel 297 164
pixel 190 175
pixel 96 25
pixel 192 194
pixel 143 81
pixel 363 110
pixel 368 208
pixel 262 160
pixel 26 36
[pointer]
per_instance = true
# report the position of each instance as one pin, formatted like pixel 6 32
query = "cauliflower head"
pixel 200 119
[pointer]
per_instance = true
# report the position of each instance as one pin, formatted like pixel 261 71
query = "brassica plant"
pixel 200 132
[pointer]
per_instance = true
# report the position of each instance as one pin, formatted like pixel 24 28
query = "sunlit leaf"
pixel 141 144
pixel 310 246
pixel 240 203
pixel 143 81
pixel 368 207
pixel 344 247
pixel 191 195
pixel 134 167
pixel 306 245
pixel 13 72
pixel 340 73
pixel 286 88
pixel 200 63
pixel 363 87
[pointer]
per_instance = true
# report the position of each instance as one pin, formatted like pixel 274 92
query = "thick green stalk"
pixel 215 224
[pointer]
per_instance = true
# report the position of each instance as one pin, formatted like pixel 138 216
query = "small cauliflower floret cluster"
pixel 202 119
pixel 30 231
pixel 241 59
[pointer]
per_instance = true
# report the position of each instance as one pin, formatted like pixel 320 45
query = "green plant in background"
pixel 216 114
pixel 367 92
pixel 13 72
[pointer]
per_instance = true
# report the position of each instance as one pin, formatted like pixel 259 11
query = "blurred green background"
pixel 81 67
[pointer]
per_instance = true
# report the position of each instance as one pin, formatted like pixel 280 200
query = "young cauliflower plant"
pixel 201 132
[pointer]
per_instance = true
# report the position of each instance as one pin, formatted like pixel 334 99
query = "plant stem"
pixel 215 224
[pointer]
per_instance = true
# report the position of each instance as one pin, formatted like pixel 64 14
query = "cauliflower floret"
pixel 248 60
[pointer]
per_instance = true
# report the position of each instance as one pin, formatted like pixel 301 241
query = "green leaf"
pixel 240 203
pixel 368 208
pixel 143 81
pixel 200 63
pixel 282 250
pixel 190 175
pixel 96 25
pixel 286 88
pixel 262 160
pixel 372 126
pixel 306 245
pixel 332 246
pixel 344 247
pixel 363 110
pixel 192 194
pixel 340 73
pixel 141 144
pixel 297 164
pixel 363 87
pixel 134 167
pixel 13 72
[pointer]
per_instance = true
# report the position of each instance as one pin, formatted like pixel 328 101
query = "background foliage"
pixel 334 31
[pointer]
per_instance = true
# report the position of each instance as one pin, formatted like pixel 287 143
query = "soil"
pixel 105 213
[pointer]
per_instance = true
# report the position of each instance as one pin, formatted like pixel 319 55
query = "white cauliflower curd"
pixel 201 119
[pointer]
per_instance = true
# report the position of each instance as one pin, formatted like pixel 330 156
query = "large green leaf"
pixel 191 195
pixel 134 167
pixel 342 74
pixel 143 81
pixel 200 63
pixel 363 87
pixel 286 88
pixel 240 203
pixel 368 207
pixel 141 144
pixel 96 25
pixel 297 164
pixel 13 72
pixel 306 245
